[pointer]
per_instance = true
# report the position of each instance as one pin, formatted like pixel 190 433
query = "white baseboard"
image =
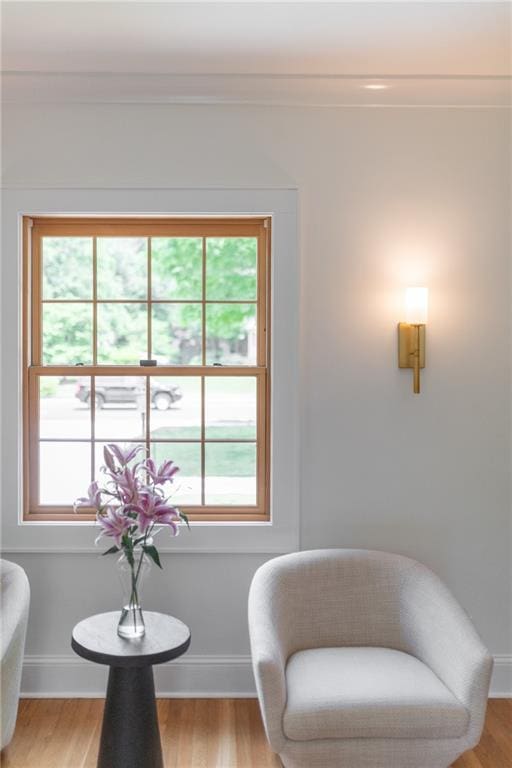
pixel 191 676
pixel 501 684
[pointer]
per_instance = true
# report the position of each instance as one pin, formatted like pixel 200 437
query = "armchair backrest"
pixel 336 597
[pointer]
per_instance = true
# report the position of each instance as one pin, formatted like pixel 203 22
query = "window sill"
pixel 204 537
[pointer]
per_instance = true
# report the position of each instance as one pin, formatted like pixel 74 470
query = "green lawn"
pixel 235 432
pixel 222 459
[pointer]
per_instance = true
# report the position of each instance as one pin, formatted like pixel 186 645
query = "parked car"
pixel 125 389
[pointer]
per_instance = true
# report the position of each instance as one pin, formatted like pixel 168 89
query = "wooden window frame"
pixel 34 228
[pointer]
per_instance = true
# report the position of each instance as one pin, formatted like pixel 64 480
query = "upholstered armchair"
pixel 15 598
pixel 364 660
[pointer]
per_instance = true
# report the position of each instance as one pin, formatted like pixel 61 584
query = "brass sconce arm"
pixel 411 350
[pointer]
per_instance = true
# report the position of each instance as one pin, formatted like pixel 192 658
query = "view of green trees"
pixel 122 291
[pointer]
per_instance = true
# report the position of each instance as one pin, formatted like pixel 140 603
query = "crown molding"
pixel 275 90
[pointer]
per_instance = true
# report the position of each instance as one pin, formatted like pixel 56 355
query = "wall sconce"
pixel 411 334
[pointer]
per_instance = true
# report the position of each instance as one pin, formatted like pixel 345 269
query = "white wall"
pixel 388 197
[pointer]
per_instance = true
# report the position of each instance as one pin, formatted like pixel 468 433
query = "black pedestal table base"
pixel 130 737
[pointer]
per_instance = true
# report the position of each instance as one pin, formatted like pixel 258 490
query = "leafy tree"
pixel 230 276
pixel 231 268
pixel 177 268
pixel 67 334
pixel 67 274
pixel 67 268
pixel 122 264
pixel 177 271
pixel 122 333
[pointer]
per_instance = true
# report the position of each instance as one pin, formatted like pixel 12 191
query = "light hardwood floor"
pixel 196 733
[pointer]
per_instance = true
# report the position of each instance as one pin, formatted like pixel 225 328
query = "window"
pixel 103 297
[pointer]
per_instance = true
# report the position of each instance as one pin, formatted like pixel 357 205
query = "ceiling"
pixel 258 52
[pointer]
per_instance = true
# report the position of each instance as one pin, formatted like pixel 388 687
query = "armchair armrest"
pixel 15 598
pixel 439 632
pixel 268 656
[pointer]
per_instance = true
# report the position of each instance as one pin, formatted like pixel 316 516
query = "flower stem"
pixel 135 577
pixel 134 599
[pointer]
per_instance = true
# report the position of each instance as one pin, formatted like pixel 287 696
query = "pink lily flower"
pixel 155 510
pixel 112 452
pixel 133 504
pixel 114 524
pixel 164 474
pixel 93 498
pixel 127 485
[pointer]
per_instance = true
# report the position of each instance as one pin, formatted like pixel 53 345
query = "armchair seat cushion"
pixel 354 692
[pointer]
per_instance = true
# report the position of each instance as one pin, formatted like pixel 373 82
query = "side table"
pixel 130 737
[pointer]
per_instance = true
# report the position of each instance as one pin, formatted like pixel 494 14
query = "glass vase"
pixel 132 577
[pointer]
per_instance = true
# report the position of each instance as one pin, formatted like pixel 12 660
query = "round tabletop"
pixel 96 639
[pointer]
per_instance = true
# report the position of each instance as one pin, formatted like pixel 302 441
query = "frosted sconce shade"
pixel 416 306
pixel 411 334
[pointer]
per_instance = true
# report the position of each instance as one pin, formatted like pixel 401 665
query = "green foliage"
pixel 176 270
pixel 67 334
pixel 128 546
pixel 67 274
pixel 184 517
pixel 227 328
pixel 112 550
pixel 176 330
pixel 122 333
pixel 122 267
pixel 231 268
pixel 152 551
pixel 67 267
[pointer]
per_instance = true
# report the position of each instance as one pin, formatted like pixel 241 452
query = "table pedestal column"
pixel 130 737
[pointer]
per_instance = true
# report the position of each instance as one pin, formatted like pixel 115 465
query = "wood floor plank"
pixel 196 733
pixel 493 751
pixel 469 760
pixel 499 724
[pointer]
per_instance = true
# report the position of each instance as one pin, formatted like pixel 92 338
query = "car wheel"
pixel 162 401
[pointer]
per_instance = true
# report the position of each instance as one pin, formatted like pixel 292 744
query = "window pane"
pixel 231 334
pixel 62 411
pixel 120 408
pixel 64 472
pixel 186 488
pixel 230 405
pixel 67 334
pixel 122 333
pixel 67 267
pixel 230 473
pixel 231 268
pixel 176 407
pixel 176 268
pixel 122 267
pixel 176 330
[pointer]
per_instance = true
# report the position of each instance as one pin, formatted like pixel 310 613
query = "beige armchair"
pixel 15 599
pixel 364 660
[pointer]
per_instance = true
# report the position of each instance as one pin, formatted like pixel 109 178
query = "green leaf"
pixel 153 554
pixel 184 517
pixel 128 550
pixel 111 550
